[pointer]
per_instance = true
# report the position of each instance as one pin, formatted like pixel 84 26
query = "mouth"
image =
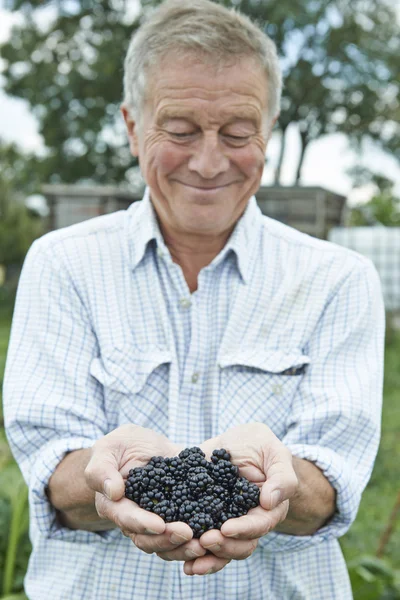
pixel 206 189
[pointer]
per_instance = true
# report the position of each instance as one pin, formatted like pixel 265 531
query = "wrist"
pixel 67 488
pixel 312 505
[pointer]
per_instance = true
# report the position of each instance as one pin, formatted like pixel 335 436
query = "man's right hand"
pixel 112 457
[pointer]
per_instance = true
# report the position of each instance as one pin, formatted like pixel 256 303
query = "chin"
pixel 206 224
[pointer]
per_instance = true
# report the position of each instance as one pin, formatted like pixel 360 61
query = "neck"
pixel 193 252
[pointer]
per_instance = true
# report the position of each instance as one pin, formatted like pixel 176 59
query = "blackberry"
pixel 212 505
pixel 176 468
pixel 134 484
pixel 187 510
pixel 188 488
pixel 150 499
pixel 220 455
pixel 190 452
pixel 198 480
pixel 200 523
pixel 245 493
pixel 225 473
pixel 166 510
pixel 168 485
pixel 180 493
pixel 220 492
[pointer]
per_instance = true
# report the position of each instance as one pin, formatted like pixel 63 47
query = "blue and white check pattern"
pixel 105 332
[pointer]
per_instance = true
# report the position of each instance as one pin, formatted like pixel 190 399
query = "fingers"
pixel 189 551
pixel 281 480
pixel 231 549
pixel 128 516
pixel 211 542
pixel 174 538
pixel 256 523
pixel 205 565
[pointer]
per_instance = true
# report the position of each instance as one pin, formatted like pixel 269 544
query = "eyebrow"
pixel 186 114
pixel 170 113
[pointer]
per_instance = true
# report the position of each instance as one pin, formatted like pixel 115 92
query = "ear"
pixel 272 125
pixel 131 127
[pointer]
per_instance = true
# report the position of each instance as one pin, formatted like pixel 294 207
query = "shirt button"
pixel 277 390
pixel 185 302
pixel 195 377
pixel 160 252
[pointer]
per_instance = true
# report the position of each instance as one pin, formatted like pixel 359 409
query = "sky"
pixel 325 165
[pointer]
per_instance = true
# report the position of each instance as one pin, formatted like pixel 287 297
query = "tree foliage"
pixel 383 208
pixel 19 226
pixel 339 61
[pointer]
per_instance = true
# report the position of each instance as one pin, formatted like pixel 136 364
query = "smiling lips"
pixel 205 188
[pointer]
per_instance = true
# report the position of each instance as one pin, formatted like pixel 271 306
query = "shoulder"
pixel 301 248
pixel 90 241
pixel 85 249
pixel 105 226
pixel 318 268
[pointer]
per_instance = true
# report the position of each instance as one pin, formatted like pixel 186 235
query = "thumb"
pixel 102 474
pixel 281 483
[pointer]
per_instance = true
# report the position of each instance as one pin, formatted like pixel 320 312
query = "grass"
pixel 5 326
pixel 380 494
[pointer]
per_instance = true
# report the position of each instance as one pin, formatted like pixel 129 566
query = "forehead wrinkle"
pixel 227 116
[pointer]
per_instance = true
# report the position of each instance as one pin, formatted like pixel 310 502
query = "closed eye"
pixel 181 135
pixel 237 137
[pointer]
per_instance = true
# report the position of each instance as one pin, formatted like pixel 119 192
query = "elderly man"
pixel 192 319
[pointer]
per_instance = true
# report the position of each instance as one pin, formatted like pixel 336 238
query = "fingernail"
pixel 275 497
pixel 107 488
pixel 214 548
pixel 175 538
pixel 151 532
pixel 209 572
pixel 232 535
pixel 190 554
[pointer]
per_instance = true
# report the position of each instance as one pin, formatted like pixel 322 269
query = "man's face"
pixel 201 143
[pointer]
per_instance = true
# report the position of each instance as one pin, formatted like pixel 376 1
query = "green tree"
pixel 19 172
pixel 19 225
pixel 383 209
pixel 384 206
pixel 339 62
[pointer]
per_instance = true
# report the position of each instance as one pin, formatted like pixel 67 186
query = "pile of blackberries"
pixel 188 488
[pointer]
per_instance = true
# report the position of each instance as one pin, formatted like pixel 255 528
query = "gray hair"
pixel 214 33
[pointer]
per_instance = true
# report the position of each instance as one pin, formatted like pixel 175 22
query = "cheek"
pixel 250 160
pixel 163 156
pixel 170 157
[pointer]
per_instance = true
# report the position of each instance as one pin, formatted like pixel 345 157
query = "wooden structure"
pixel 313 210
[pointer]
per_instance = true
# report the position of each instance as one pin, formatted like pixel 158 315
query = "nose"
pixel 208 158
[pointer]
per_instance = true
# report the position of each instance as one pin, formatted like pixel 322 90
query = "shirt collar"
pixel 143 228
pixel 243 239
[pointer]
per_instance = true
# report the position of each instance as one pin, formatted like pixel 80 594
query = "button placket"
pixel 185 302
pixel 195 377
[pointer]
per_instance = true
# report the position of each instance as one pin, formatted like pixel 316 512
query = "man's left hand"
pixel 264 460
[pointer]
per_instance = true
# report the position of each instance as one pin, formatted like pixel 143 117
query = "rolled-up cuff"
pixel 348 498
pixel 43 516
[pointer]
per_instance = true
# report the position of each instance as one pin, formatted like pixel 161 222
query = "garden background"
pixel 63 61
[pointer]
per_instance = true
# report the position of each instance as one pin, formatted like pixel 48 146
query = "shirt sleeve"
pixel 51 403
pixel 336 415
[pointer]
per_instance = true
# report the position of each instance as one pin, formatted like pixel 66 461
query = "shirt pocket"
pixel 135 383
pixel 258 384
